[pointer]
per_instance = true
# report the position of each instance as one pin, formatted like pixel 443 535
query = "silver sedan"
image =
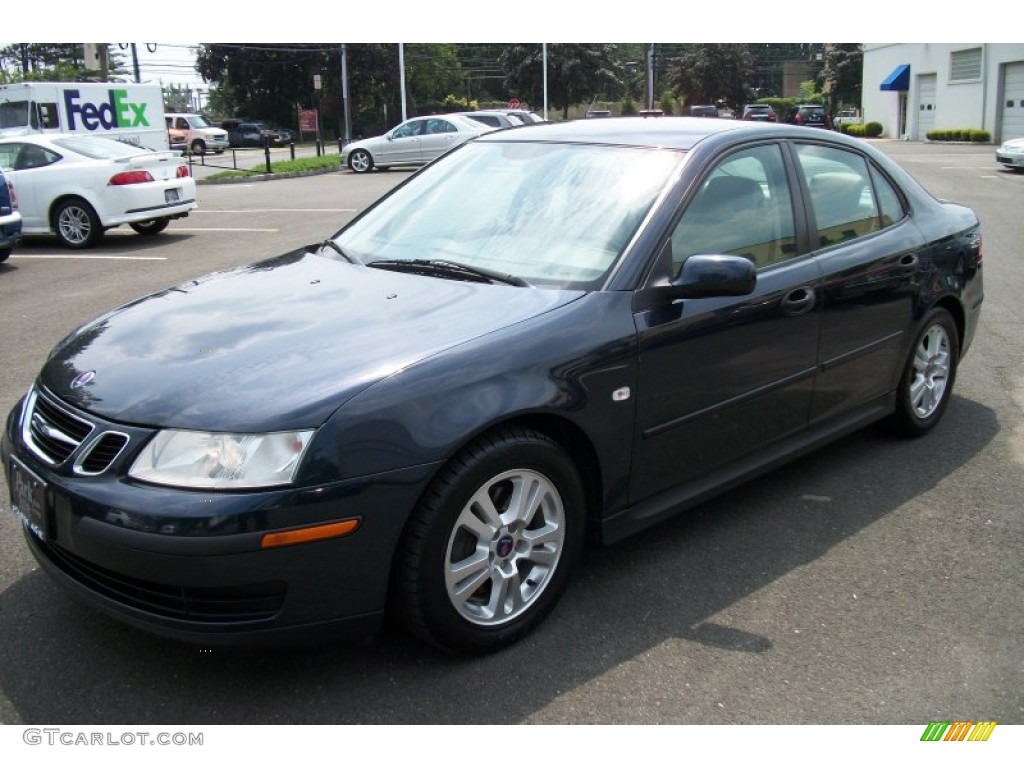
pixel 414 142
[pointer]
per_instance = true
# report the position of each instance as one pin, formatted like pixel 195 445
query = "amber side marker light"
pixel 312 533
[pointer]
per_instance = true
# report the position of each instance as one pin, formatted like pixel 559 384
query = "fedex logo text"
pixel 118 112
pixel 959 730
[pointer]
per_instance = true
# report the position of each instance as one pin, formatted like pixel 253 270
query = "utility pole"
pixel 401 75
pixel 347 135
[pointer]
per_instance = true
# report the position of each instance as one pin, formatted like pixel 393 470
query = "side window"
pixel 48 115
pixel 32 156
pixel 8 154
pixel 742 208
pixel 407 130
pixel 841 193
pixel 889 203
pixel 440 126
pixel 181 124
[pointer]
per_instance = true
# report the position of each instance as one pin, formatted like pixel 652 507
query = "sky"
pixel 167 63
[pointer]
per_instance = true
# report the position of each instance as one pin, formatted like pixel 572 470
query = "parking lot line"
pixel 84 257
pixel 221 229
pixel 275 210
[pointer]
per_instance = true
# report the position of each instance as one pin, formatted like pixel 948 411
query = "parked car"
pixel 811 115
pixel 846 117
pixel 414 142
pixel 253 133
pixel 704 110
pixel 10 218
pixel 200 136
pixel 599 113
pixel 177 139
pixel 1011 154
pixel 578 329
pixel 764 113
pixel 76 187
pixel 493 118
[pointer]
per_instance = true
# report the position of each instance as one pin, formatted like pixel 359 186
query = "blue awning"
pixel 898 79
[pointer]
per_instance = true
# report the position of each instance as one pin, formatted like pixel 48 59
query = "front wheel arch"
pixel 527 559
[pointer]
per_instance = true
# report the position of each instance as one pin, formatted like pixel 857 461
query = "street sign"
pixel 514 103
pixel 307 120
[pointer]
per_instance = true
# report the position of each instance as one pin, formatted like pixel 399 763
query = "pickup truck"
pixel 846 117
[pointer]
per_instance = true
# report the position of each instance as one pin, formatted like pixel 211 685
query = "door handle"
pixel 799 300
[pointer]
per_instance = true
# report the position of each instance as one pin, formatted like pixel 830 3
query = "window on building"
pixel 965 65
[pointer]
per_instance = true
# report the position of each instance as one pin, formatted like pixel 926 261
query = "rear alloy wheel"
pixel 76 224
pixel 927 382
pixel 490 548
pixel 360 161
pixel 151 227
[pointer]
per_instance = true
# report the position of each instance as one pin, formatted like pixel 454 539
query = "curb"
pixel 269 176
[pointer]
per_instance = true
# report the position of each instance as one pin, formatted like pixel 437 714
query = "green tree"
pixel 56 62
pixel 576 72
pixel 709 73
pixel 842 75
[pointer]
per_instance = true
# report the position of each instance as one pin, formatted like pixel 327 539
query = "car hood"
pixel 275 345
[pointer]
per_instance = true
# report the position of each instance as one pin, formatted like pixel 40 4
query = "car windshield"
pixel 100 149
pixel 555 215
pixel 197 121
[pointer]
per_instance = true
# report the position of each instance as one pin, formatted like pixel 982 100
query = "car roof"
pixel 670 132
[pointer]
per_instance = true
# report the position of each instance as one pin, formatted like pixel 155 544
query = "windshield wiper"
pixel 328 243
pixel 451 269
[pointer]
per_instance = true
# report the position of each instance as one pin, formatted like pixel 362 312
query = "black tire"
pixel 4 253
pixel 508 591
pixel 150 227
pixel 360 161
pixel 929 373
pixel 76 224
pixel 198 147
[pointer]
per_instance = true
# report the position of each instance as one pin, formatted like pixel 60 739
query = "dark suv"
pixel 762 112
pixel 808 114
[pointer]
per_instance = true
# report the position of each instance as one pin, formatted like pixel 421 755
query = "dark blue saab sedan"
pixel 553 334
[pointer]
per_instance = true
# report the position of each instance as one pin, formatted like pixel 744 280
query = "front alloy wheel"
pixel 489 550
pixel 505 547
pixel 360 161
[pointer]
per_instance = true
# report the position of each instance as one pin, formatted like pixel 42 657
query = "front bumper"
pixel 1013 160
pixel 189 564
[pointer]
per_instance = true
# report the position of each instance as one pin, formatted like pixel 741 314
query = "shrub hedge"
pixel 959 134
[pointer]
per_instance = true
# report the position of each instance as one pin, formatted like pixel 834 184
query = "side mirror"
pixel 707 276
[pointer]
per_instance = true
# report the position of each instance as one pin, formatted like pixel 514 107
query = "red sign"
pixel 513 103
pixel 307 120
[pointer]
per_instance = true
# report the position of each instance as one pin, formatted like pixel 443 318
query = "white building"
pixel 912 88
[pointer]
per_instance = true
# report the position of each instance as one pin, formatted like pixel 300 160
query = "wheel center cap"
pixel 504 546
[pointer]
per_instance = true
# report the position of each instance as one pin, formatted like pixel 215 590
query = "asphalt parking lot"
pixel 874 581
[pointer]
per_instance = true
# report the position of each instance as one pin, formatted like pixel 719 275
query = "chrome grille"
pixel 51 432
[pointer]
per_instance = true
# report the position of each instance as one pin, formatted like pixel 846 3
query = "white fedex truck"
pixel 128 112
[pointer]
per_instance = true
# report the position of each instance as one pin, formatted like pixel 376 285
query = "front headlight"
pixel 221 460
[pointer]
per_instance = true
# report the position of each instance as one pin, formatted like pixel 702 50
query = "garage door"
pixel 1012 120
pixel 925 105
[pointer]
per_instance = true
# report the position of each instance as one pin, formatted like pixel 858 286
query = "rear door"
pixel 440 136
pixel 868 252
